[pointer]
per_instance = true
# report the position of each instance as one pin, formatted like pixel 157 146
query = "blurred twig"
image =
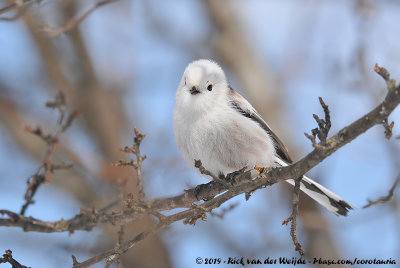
pixel 46 170
pixel 135 149
pixel 74 21
pixel 18 14
pixel 385 198
pixel 16 4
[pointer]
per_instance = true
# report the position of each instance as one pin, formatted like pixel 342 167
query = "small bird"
pixel 215 124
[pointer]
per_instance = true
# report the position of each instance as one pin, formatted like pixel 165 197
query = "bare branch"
pixel 19 13
pixel 313 140
pixel 9 258
pixel 221 214
pixel 391 85
pixel 135 149
pixel 70 118
pixel 74 21
pixel 45 171
pixel 60 166
pixel 16 4
pixel 60 104
pixel 323 127
pixel 385 198
pixel 114 254
pixel 139 159
pixel 293 217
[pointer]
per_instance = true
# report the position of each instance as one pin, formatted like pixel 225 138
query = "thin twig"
pixel 324 125
pixel 9 258
pixel 46 170
pixel 60 166
pixel 74 21
pixel 385 198
pixel 19 13
pixel 114 254
pixel 135 149
pixel 16 4
pixel 293 217
pixel 128 204
pixel 139 159
pixel 323 128
pixel 221 214
pixel 391 83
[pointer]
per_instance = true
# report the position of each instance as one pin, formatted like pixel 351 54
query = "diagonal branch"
pixel 74 21
pixel 9 258
pixel 16 4
pixel 385 198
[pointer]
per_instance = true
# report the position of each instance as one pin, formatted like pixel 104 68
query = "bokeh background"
pixel 121 66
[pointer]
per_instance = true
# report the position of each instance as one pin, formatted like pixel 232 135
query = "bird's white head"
pixel 203 85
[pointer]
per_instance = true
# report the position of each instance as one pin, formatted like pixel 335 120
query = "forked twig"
pixel 385 198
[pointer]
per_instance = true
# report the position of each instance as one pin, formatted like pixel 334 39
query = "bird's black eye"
pixel 209 88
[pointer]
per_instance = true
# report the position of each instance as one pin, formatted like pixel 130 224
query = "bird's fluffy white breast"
pixel 223 139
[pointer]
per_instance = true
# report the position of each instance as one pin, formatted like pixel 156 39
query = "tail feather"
pixel 322 195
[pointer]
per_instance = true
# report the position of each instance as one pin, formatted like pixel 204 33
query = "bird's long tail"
pixel 319 193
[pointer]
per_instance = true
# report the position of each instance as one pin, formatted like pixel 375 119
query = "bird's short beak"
pixel 194 90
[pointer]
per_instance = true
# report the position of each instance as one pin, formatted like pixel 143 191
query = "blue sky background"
pixel 311 49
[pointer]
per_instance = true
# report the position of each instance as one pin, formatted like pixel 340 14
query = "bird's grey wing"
pixel 241 105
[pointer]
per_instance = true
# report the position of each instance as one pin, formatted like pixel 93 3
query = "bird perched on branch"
pixel 214 123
